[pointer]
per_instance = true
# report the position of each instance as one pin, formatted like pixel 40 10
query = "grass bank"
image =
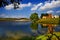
pixel 49 20
pixel 54 36
pixel 14 19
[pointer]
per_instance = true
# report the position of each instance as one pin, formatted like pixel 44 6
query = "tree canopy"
pixel 34 17
pixel 7 2
pixel 46 14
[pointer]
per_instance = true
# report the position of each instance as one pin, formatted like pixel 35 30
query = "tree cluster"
pixel 34 17
pixel 7 2
pixel 43 15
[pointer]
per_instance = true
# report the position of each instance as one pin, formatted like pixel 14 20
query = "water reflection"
pixel 51 33
pixel 34 27
pixel 51 27
pixel 27 30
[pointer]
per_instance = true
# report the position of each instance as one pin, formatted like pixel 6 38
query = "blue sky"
pixel 27 7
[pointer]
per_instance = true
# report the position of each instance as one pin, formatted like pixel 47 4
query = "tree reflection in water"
pixel 34 27
pixel 50 31
pixel 35 31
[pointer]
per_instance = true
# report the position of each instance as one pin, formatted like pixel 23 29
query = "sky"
pixel 27 7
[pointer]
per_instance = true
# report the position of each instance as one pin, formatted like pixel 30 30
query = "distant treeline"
pixel 11 19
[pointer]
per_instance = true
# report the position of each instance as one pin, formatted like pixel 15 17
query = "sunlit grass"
pixel 49 20
pixel 46 36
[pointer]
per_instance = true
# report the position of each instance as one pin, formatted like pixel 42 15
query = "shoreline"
pixel 16 20
pixel 22 20
pixel 49 21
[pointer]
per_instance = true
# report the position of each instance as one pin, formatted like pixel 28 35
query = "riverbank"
pixel 49 20
pixel 54 36
pixel 14 19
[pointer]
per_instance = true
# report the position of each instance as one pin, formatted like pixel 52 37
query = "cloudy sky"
pixel 27 7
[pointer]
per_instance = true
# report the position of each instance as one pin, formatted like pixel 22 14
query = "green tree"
pixel 34 17
pixel 3 3
pixel 43 15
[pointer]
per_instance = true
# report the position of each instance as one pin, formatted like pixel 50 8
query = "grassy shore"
pixel 46 36
pixel 49 20
pixel 14 19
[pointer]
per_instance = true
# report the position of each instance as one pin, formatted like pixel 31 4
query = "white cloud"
pixel 50 5
pixel 50 11
pixel 58 0
pixel 25 5
pixel 12 16
pixel 8 7
pixel 46 5
pixel 17 16
pixel 57 11
pixel 3 15
pixel 36 6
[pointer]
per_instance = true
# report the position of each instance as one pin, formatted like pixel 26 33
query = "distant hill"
pixel 12 19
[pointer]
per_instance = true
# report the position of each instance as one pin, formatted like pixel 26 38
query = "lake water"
pixel 22 29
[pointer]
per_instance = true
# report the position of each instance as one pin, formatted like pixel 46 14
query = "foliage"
pixel 44 15
pixel 53 36
pixel 6 2
pixel 34 17
pixel 49 20
pixel 3 3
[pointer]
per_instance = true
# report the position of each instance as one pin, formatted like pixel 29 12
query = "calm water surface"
pixel 26 28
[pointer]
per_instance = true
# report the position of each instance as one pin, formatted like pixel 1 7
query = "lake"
pixel 19 29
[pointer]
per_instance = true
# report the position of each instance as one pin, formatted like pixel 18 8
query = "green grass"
pixel 49 20
pixel 45 36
